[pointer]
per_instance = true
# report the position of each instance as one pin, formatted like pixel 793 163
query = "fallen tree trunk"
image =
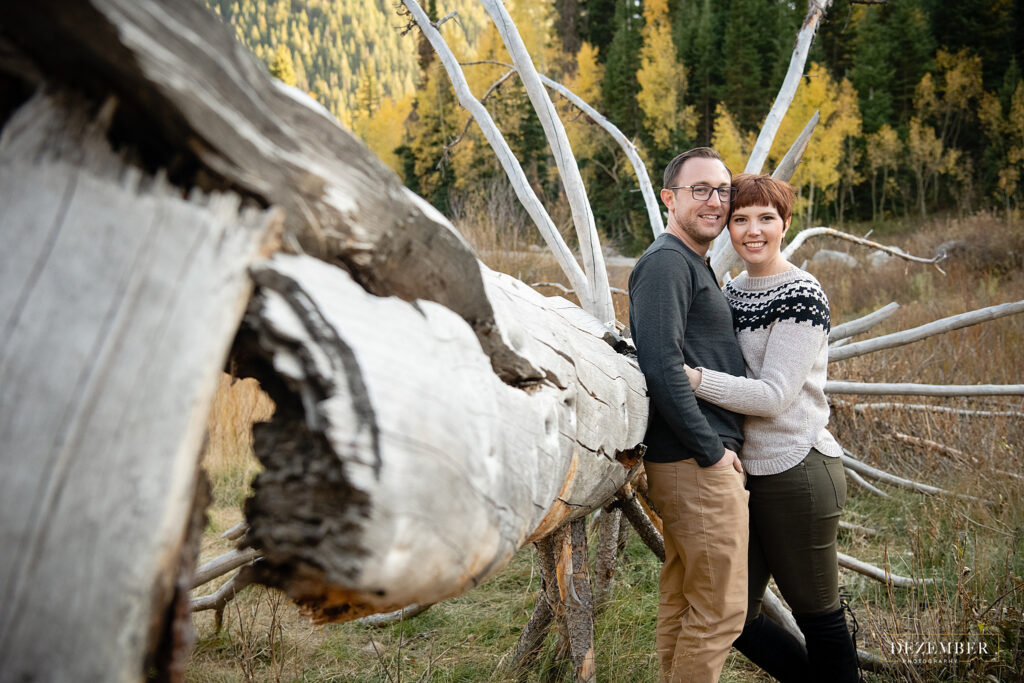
pixel 397 412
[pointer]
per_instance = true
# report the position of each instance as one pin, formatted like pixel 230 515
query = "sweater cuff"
pixel 712 386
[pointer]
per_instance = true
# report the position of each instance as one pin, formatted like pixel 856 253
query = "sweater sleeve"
pixel 791 352
pixel 661 290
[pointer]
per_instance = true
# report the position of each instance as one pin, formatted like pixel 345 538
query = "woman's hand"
pixel 694 376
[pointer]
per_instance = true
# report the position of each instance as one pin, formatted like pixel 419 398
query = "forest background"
pixel 921 101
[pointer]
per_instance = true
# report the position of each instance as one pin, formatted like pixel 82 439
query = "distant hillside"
pixel 347 53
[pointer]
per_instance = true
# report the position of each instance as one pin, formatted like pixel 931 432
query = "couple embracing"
pixel 740 465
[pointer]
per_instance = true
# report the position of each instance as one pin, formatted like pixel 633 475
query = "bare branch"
pixel 389 618
pixel 236 532
pixel 954 453
pixel 852 464
pixel 646 528
pixel 807 233
pixel 527 197
pixel 879 574
pixel 908 389
pixel 953 322
pixel 566 290
pixel 465 129
pixel 223 595
pixel 644 181
pixel 787 167
pixel 863 324
pixel 627 146
pixel 220 566
pixel 923 407
pixel 777 612
pixel 815 12
pixel 850 526
pixel 856 478
pixel 599 301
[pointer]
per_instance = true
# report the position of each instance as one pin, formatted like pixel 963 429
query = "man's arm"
pixel 661 290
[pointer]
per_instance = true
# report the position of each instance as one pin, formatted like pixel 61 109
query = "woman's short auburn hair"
pixel 763 190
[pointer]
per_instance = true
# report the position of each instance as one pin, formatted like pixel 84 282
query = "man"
pixel 677 315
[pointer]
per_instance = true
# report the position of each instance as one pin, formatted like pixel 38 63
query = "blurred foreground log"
pixel 119 301
pixel 433 416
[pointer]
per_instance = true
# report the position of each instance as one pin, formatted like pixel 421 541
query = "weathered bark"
pixel 390 395
pixel 119 296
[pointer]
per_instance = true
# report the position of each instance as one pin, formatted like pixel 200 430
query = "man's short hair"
pixel 763 190
pixel 672 170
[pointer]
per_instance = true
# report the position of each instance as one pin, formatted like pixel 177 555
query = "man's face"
pixel 697 223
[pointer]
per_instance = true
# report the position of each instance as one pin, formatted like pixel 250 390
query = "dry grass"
pixel 976 548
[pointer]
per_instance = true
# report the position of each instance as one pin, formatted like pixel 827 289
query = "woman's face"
pixel 756 233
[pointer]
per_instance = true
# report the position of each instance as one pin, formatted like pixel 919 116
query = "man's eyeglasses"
pixel 702 193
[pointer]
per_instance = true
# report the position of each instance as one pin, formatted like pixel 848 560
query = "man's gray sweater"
pixel 678 314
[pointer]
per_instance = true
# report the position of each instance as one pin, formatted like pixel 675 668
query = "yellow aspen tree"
pixel 1005 132
pixel 883 155
pixel 818 175
pixel 383 131
pixel 584 136
pixel 925 158
pixel 729 141
pixel 662 79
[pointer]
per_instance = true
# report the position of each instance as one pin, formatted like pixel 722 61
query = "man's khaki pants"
pixel 704 579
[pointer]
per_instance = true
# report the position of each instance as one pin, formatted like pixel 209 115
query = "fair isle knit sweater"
pixel 782 324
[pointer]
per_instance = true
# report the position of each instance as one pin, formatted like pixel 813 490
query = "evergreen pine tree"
pixel 620 85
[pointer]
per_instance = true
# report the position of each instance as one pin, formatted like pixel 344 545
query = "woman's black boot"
pixel 830 649
pixel 774 649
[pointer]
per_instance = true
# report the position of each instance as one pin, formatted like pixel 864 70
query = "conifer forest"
pixel 921 101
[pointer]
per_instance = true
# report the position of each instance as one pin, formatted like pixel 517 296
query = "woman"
pixel 794 474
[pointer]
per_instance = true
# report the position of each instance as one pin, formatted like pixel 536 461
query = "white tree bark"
pixel 910 389
pixel 396 394
pixel 119 298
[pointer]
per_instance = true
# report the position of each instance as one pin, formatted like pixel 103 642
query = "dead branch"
pixel 627 146
pixel 787 167
pixel 910 389
pixel 850 526
pixel 644 525
pixel 925 408
pixel 565 290
pixel 389 618
pixel 219 599
pixel 879 574
pixel 862 324
pixel 851 463
pixel 220 566
pixel 864 483
pixel 639 168
pixel 794 74
pixel 807 233
pixel 608 524
pixel 544 611
pixel 236 532
pixel 599 301
pixel 947 324
pixel 954 453
pixel 524 192
pixel 465 129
